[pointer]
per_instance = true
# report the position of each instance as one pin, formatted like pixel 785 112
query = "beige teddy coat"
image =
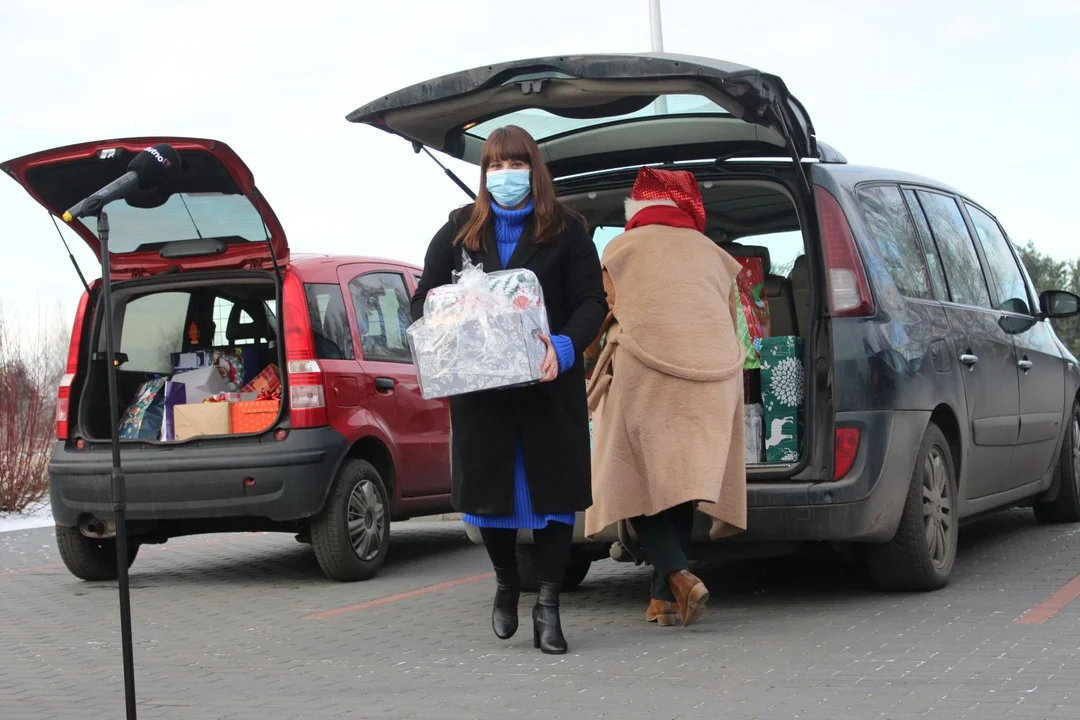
pixel 667 389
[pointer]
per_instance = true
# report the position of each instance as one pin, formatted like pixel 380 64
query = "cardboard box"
pixel 202 418
pixel 253 416
pixel 783 381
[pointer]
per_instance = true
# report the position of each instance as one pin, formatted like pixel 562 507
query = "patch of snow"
pixel 35 516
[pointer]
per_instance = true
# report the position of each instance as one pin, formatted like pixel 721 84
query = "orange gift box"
pixel 252 416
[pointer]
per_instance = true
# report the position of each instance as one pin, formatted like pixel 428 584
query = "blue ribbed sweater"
pixel 508 227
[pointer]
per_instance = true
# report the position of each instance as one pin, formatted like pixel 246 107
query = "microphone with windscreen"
pixel 152 167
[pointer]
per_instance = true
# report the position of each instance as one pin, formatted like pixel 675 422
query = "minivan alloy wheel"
pixel 366 519
pixel 922 553
pixel 938 517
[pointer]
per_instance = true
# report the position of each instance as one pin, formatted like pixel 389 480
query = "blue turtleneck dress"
pixel 508 227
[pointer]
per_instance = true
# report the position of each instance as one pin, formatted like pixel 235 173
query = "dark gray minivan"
pixel 935 387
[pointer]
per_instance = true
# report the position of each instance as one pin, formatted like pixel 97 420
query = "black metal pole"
pixel 119 485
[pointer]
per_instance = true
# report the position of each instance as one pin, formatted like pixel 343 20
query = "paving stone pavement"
pixel 223 629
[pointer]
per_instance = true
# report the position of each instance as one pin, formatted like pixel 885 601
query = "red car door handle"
pixel 384 384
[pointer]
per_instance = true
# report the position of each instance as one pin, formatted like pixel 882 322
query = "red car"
pixel 201 271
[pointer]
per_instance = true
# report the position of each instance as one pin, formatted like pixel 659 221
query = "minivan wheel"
pixel 1065 508
pixel 921 555
pixel 87 558
pixel 351 534
pixel 576 570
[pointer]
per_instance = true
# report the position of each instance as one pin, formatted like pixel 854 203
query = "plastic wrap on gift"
pixel 752 418
pixel 481 333
pixel 142 418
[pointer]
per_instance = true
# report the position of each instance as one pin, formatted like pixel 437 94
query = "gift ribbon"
pixel 266 394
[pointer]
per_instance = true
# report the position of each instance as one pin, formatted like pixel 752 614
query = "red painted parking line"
pixel 399 596
pixel 1051 605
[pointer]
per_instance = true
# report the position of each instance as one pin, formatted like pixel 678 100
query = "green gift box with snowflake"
pixel 783 380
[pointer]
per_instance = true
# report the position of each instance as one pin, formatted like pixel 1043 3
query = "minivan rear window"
pixel 542 124
pixel 895 242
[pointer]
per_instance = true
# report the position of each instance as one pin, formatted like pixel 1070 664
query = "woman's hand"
pixel 550 368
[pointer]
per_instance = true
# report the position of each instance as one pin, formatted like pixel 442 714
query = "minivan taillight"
pixel 845 450
pixel 63 393
pixel 307 394
pixel 849 291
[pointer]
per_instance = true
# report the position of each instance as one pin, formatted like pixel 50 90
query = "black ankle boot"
pixel 547 627
pixel 504 616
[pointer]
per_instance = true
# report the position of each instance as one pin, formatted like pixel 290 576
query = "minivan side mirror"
pixel 1059 304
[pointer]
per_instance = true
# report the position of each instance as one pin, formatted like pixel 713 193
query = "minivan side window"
pixel 930 251
pixel 153 327
pixel 895 240
pixel 967 285
pixel 329 321
pixel 1009 281
pixel 381 302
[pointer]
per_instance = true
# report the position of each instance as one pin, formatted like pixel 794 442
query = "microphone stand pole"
pixel 119 485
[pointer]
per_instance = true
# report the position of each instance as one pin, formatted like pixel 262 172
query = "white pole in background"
pixel 655 26
pixel 657 31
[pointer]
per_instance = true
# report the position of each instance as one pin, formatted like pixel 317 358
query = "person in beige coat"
pixel 666 390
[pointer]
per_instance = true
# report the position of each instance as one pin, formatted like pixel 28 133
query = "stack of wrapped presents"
pixel 219 391
pixel 480 333
pixel 773 374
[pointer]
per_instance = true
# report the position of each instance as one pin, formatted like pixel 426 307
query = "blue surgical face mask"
pixel 508 187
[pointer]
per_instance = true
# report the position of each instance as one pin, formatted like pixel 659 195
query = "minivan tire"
pixel 90 559
pixel 358 495
pixel 576 570
pixel 910 562
pixel 1065 508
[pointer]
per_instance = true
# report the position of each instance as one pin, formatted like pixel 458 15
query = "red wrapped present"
pixel 253 416
pixel 268 381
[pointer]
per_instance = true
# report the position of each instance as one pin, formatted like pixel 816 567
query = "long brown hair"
pixel 513 143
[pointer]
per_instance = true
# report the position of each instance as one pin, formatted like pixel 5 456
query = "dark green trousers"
pixel 666 538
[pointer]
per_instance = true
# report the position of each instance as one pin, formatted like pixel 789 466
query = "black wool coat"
pixel 550 419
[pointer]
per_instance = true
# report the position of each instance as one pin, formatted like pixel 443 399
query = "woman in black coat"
pixel 521 455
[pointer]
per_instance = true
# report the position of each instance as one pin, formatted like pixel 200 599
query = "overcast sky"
pixel 983 95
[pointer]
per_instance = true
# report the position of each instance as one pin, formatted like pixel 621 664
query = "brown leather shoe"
pixel 662 612
pixel 690 593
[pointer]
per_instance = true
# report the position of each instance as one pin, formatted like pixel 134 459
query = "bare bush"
pixel 32 361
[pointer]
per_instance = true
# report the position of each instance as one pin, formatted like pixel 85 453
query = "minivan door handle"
pixel 1025 364
pixel 384 385
pixel 969 359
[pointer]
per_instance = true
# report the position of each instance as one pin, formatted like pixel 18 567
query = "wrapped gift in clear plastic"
pixel 480 333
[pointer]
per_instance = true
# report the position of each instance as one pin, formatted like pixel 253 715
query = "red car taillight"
pixel 307 394
pixel 849 291
pixel 63 393
pixel 846 450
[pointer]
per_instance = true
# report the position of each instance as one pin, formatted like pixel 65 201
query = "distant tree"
pixel 1050 274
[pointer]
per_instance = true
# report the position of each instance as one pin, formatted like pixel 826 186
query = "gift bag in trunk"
pixel 175 394
pixel 143 417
